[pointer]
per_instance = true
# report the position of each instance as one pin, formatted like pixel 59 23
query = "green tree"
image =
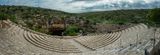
pixel 154 17
pixel 71 30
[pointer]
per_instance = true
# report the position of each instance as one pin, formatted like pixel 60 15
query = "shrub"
pixel 4 16
pixel 7 16
pixel 71 30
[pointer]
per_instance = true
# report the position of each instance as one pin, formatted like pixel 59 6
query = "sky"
pixel 80 6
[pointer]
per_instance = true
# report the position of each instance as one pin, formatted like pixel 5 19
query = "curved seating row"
pixel 95 42
pixel 45 42
pixel 137 27
pixel 52 44
pixel 98 41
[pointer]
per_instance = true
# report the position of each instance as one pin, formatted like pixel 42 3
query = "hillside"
pixel 49 21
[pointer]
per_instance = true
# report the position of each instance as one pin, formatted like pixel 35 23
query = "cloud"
pixel 78 6
pixel 101 5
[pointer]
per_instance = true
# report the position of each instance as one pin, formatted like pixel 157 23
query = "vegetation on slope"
pixel 4 16
pixel 43 20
